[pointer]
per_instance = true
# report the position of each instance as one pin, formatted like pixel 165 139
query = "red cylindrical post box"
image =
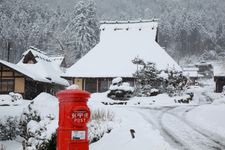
pixel 74 114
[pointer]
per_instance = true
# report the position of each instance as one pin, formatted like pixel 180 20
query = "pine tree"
pixel 82 31
pixel 175 83
pixel 147 77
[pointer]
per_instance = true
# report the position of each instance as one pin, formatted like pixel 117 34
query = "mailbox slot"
pixel 78 135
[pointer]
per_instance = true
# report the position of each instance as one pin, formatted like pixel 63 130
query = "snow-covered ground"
pixel 210 119
pixel 159 122
pixel 10 145
pixel 159 100
pixel 146 137
pixel 8 107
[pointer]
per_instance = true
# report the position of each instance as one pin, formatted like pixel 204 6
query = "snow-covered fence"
pixel 103 115
pixel 102 121
pixel 2 147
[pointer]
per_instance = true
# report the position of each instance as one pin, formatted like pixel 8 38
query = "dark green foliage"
pixel 175 83
pixel 120 94
pixel 32 23
pixel 149 83
pixel 49 144
pixel 26 117
pixel 9 128
pixel 147 77
pixel 120 90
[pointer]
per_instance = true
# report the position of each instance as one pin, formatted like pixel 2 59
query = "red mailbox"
pixel 74 115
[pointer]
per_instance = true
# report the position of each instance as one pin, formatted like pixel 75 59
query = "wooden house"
pixel 33 74
pixel 205 69
pixel 191 72
pixel 120 43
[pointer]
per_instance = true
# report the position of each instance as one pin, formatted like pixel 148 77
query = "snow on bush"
pixel 117 80
pixel 176 83
pixel 16 96
pixel 149 78
pixel 39 121
pixel 118 84
pixel 29 114
pixel 38 135
pixel 8 128
pixel 11 99
pixel 102 121
pixel 120 90
pixel 125 86
pixel 46 105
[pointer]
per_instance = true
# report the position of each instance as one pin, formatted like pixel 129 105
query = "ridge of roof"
pixel 129 21
pixel 37 50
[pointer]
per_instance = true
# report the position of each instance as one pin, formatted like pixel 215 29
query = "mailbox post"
pixel 74 115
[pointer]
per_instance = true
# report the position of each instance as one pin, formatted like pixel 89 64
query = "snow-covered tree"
pixel 81 33
pixel 149 80
pixel 146 76
pixel 187 27
pixel 28 114
pixel 175 83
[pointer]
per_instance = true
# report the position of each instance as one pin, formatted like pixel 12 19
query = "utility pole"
pixel 8 50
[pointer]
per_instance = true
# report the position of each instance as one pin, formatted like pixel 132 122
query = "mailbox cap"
pixel 73 93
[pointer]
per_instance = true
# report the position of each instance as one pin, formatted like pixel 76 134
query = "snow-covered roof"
pixel 190 69
pixel 43 70
pixel 57 60
pixel 191 73
pixel 21 70
pixel 120 43
pixel 203 63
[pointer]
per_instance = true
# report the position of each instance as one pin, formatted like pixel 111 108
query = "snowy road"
pixel 171 123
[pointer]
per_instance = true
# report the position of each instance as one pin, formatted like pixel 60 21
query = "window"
pixel 91 85
pixel 6 86
pixel 103 85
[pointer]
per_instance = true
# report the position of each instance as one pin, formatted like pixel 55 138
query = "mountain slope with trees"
pixel 26 23
pixel 188 28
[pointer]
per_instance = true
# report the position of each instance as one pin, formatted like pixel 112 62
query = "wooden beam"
pixel 84 87
pixel 97 85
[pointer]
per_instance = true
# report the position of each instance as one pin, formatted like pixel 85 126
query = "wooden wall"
pixel 18 80
pixel 19 85
pixel 97 84
pixel 79 82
